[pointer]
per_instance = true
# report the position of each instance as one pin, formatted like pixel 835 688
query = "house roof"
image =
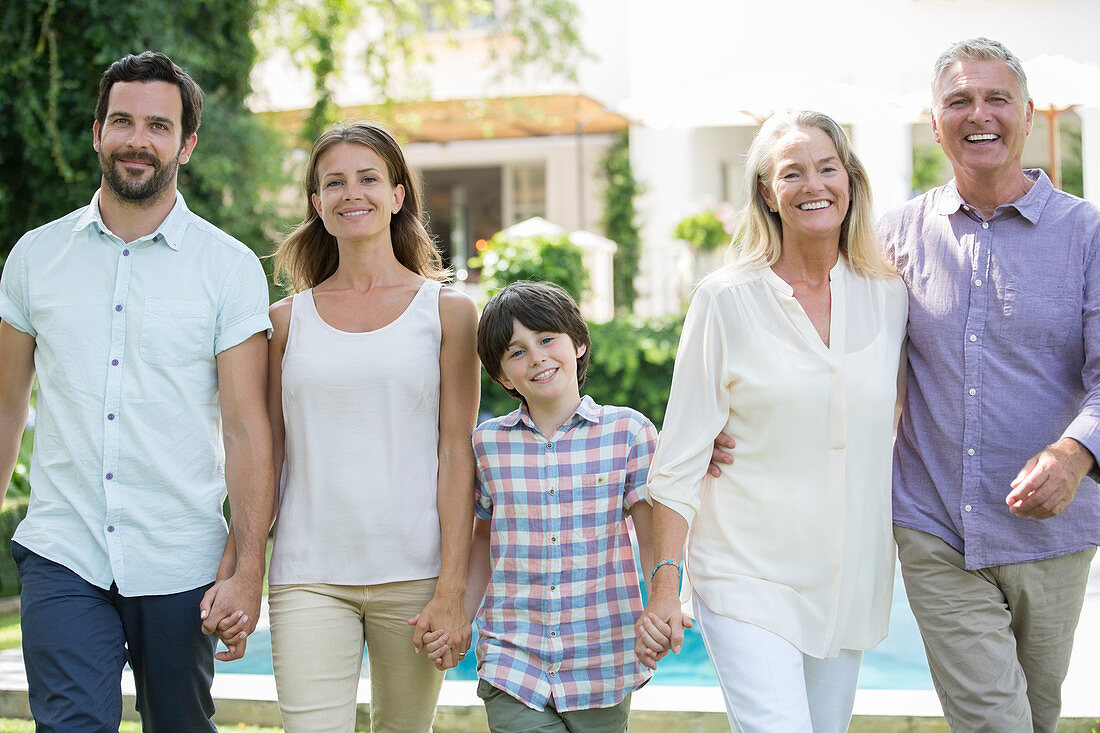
pixel 449 120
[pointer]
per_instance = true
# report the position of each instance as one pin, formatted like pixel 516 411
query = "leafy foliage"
pixel 542 259
pixel 930 168
pixel 54 54
pixel 707 230
pixel 632 362
pixel 15 508
pixel 620 219
pixel 1073 179
pixel 536 34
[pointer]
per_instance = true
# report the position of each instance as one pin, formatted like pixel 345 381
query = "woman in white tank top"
pixel 373 394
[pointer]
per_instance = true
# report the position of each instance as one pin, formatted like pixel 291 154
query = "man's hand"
pixel 719 455
pixel 231 607
pixel 660 628
pixel 1048 482
pixel 444 613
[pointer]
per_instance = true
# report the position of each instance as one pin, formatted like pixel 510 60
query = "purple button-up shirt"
pixel 1004 359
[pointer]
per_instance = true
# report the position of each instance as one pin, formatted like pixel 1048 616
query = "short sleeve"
pixel 14 306
pixel 483 502
pixel 638 460
pixel 244 305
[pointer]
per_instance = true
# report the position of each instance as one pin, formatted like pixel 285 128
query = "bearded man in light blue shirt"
pixel 146 327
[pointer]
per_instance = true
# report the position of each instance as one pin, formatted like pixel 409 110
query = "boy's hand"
pixel 458 638
pixel 435 644
pixel 660 629
pixel 718 454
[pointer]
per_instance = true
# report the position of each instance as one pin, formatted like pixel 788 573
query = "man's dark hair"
pixel 541 307
pixel 153 66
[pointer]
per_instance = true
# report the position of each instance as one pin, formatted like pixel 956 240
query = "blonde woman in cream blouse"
pixel 793 350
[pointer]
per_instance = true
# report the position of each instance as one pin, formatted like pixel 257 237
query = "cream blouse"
pixel 795 535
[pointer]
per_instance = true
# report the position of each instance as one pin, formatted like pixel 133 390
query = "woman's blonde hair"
pixel 760 238
pixel 309 255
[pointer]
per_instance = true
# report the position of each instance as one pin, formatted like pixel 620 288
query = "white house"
pixel 691 80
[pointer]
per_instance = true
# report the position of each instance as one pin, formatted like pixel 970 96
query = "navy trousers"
pixel 77 637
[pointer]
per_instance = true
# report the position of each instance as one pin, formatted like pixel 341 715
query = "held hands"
pixel 1048 482
pixel 443 628
pixel 221 612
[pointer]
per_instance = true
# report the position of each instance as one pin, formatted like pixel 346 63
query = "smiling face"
pixel 355 198
pixel 542 367
pixel 139 143
pixel 981 119
pixel 807 185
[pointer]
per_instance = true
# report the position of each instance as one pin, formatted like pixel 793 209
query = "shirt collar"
pixel 587 410
pixel 171 230
pixel 1030 205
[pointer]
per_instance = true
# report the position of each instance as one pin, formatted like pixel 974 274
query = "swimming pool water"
pixel 898 663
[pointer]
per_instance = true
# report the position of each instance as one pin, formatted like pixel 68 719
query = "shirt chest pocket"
pixel 1037 316
pixel 175 332
pixel 598 502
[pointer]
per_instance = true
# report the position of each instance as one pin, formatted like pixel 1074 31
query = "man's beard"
pixel 131 187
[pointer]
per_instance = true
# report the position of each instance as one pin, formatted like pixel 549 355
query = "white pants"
pixel 769 685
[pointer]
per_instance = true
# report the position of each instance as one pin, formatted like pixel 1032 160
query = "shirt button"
pixel 970 452
pixel 553 634
pixel 978 283
pixel 118 307
pixel 110 476
pixel 985 225
pixel 553 674
pixel 553 587
pixel 968 507
pixel 125 253
pixel 553 539
pixel 114 362
pixel 973 392
pixel 973 337
pixel 551 492
pixel 110 416
pixel 110 528
pixel 549 446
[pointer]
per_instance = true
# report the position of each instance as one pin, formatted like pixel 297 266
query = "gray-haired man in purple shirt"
pixel 995 513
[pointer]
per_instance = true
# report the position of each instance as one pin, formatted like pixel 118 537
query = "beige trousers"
pixel 317 637
pixel 999 639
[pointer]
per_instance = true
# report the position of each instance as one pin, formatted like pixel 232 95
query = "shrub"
pixel 543 259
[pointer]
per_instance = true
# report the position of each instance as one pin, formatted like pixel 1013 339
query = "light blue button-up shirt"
pixel 127 475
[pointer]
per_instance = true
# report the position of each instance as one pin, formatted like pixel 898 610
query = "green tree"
pixel 620 219
pixel 539 34
pixel 54 54
pixel 930 168
pixel 542 259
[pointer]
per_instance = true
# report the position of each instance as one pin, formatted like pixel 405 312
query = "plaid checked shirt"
pixel 559 612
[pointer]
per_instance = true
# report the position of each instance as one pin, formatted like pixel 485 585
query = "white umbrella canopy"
pixel 1060 82
pixel 1057 84
pixel 751 100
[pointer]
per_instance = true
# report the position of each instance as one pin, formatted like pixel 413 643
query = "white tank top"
pixel 357 503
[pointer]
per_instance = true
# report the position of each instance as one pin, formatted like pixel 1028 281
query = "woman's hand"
pixel 445 614
pixel 660 628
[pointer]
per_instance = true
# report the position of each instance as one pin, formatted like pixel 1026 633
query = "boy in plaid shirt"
pixel 555 481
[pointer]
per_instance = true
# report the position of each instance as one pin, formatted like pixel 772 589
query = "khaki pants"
pixel 999 639
pixel 317 637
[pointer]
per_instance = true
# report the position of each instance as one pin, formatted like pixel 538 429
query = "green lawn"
pixel 10 634
pixel 13 725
